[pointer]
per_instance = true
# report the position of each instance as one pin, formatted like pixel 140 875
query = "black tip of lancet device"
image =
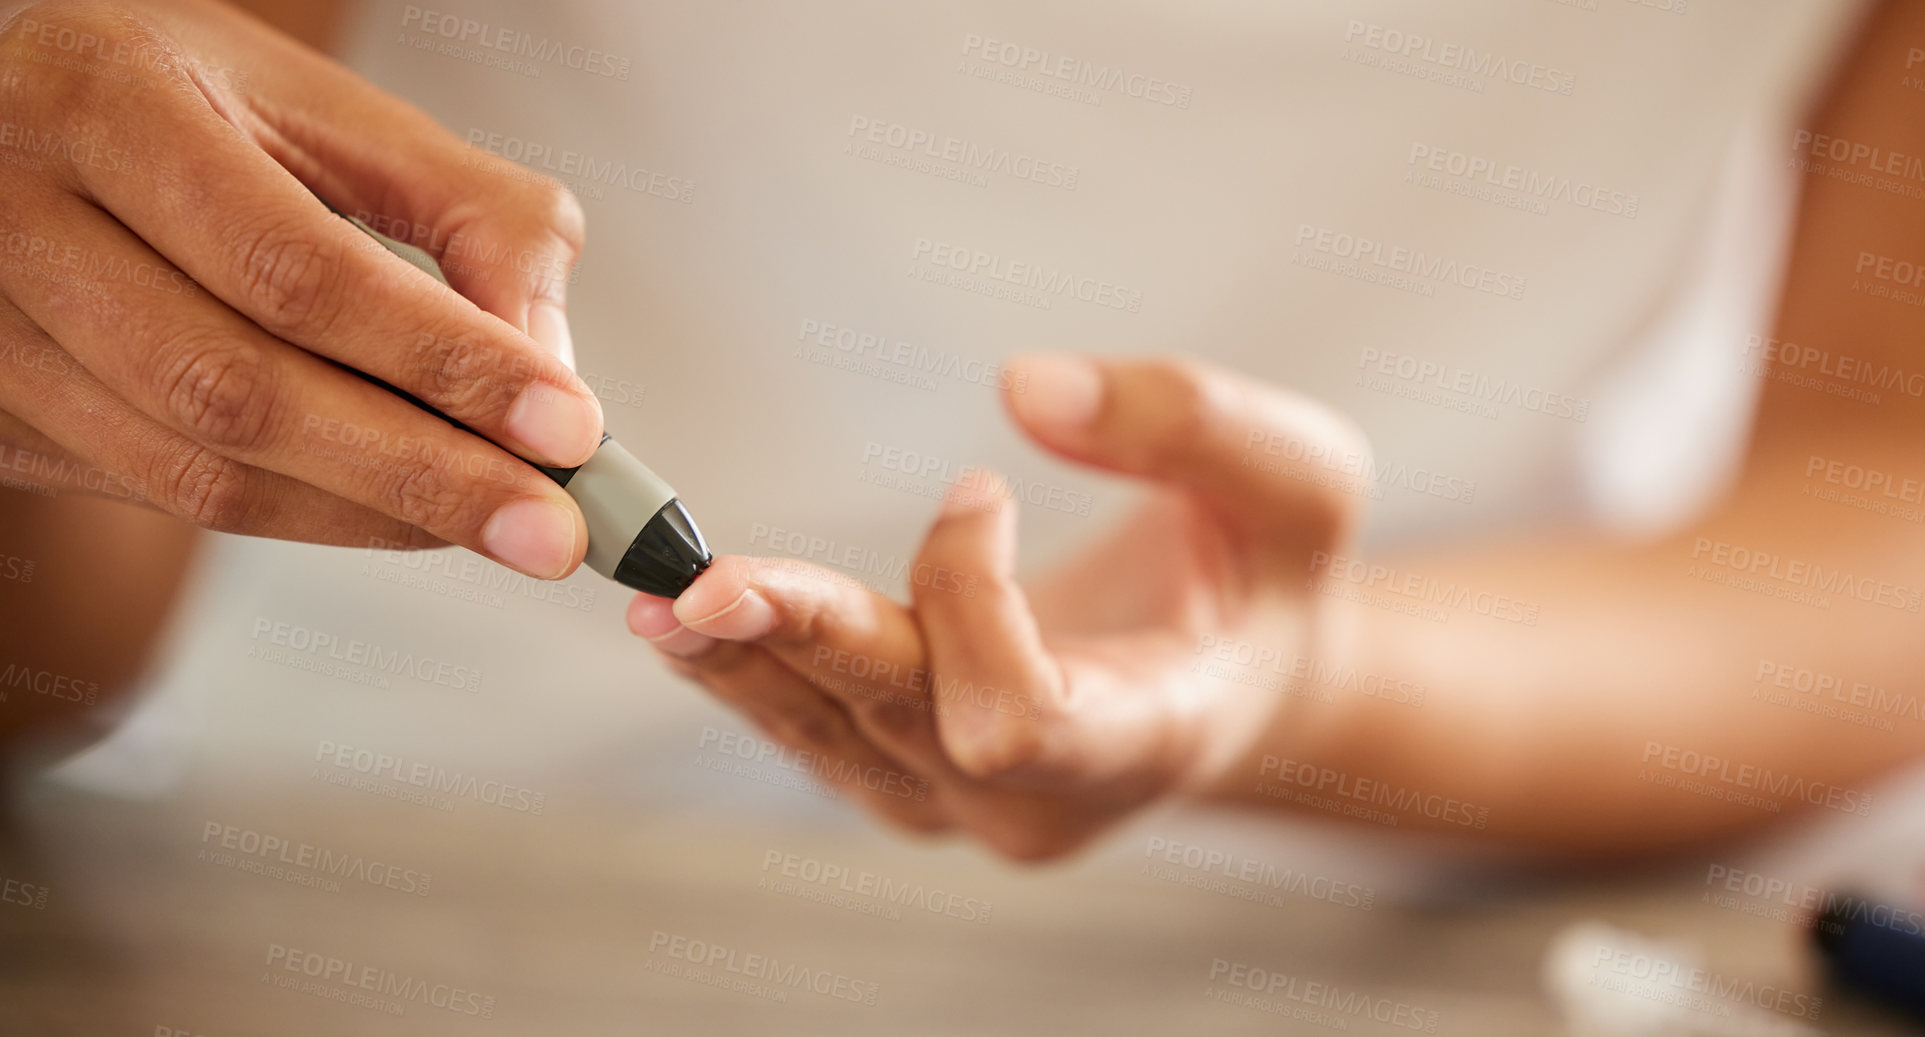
pixel 667 555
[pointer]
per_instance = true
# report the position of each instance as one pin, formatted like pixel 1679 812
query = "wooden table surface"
pixel 145 929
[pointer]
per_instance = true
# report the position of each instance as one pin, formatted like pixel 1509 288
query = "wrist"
pixel 1313 685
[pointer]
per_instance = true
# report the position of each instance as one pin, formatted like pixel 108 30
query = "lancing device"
pixel 639 534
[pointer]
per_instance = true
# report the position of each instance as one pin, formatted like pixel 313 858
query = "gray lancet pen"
pixel 639 534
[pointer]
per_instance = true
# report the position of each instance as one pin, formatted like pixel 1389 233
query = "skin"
pixel 1566 737
pixel 186 321
pixel 211 398
pixel 1092 709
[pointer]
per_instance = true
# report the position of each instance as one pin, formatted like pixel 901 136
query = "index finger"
pixel 255 237
pixel 852 644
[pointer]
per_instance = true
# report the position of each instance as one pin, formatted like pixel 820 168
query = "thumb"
pixel 506 238
pixel 511 252
pixel 1200 427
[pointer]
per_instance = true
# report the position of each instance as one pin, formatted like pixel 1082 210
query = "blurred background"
pixel 488 790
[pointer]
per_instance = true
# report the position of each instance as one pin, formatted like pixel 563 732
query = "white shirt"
pixel 1537 331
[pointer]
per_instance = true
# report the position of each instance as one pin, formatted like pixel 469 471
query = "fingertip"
pixel 651 617
pixel 548 325
pixel 1055 395
pixel 562 426
pixel 722 603
pixel 543 536
pixel 719 584
pixel 980 490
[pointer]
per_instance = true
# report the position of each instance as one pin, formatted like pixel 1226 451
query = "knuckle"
pixel 815 728
pixel 561 213
pixel 893 718
pixel 1004 748
pixel 1193 396
pixel 64 42
pixel 466 378
pixel 801 623
pixel 204 487
pixel 222 394
pixel 290 282
pixel 423 495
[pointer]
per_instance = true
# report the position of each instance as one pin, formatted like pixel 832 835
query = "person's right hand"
pixel 181 318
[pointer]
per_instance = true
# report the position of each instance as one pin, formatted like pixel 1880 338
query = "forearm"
pixel 86 584
pixel 1592 728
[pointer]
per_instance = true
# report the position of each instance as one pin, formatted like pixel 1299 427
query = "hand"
pixel 1038 718
pixel 183 317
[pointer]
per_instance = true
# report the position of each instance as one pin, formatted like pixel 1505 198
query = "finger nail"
pixel 1056 389
pixel 531 534
pixel 548 325
pixel 744 618
pixel 563 427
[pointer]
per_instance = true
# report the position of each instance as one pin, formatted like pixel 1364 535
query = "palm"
pixel 1171 566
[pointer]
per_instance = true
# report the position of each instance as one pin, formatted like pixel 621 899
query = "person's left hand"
pixel 1034 720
